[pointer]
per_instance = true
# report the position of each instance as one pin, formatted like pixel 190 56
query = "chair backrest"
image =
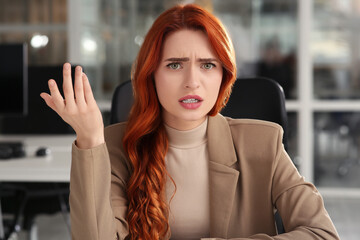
pixel 258 98
pixel 121 103
pixel 255 98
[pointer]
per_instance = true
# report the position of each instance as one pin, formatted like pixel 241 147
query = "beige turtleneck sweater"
pixel 187 162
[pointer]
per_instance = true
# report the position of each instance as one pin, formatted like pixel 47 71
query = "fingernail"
pixel 67 65
pixel 78 68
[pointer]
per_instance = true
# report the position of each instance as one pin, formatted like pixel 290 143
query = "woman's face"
pixel 187 79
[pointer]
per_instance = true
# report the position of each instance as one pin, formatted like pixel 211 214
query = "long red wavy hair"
pixel 145 140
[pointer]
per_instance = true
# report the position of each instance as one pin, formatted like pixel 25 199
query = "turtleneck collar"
pixel 187 139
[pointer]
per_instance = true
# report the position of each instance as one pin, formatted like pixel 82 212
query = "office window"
pixel 337 149
pixel 335 52
pixel 336 49
pixel 264 34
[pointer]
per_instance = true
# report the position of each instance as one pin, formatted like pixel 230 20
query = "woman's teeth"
pixel 190 100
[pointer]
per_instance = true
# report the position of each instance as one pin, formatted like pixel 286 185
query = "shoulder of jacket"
pixel 260 125
pixel 257 141
pixel 114 133
pixel 117 128
pixel 120 164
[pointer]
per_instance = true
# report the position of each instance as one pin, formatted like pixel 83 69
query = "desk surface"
pixel 52 168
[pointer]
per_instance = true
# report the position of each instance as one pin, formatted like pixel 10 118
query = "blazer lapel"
pixel 223 178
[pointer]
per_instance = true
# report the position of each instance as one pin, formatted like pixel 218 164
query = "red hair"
pixel 145 140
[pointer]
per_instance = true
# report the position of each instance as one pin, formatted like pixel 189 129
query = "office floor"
pixel 345 214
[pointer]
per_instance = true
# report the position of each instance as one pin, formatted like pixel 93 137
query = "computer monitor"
pixel 40 118
pixel 13 79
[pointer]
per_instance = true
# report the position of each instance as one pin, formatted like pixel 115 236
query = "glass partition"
pixel 39 23
pixel 264 34
pixel 336 49
pixel 337 149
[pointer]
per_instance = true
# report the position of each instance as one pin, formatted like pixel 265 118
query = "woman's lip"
pixel 191 105
pixel 191 102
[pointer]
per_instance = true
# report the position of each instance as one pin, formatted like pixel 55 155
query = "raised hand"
pixel 78 107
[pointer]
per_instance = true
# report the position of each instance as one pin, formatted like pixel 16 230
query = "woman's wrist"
pixel 87 143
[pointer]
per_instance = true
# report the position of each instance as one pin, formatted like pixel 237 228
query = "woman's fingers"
pixel 75 96
pixel 78 86
pixel 89 97
pixel 68 85
pixel 48 99
pixel 56 97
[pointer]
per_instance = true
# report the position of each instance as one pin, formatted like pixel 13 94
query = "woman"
pixel 177 168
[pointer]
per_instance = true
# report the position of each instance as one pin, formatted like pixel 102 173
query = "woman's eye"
pixel 174 66
pixel 208 66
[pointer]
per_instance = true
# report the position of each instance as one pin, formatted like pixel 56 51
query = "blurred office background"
pixel 311 47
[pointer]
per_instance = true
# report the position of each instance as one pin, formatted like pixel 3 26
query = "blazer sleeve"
pixel 299 203
pixel 97 196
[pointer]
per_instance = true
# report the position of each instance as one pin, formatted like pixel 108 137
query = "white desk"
pixel 52 168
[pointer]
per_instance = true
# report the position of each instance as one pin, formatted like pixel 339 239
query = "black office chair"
pixel 254 98
pixel 121 103
pixel 258 98
pixel 22 202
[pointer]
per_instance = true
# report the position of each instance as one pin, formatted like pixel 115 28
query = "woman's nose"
pixel 192 78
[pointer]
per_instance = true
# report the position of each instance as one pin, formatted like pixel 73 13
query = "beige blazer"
pixel 251 175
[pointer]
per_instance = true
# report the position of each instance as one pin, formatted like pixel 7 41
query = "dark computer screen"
pixel 40 118
pixel 13 79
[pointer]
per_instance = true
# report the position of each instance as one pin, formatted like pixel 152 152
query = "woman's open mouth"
pixel 191 101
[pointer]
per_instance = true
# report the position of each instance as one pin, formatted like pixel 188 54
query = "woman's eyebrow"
pixel 177 59
pixel 207 60
pixel 186 59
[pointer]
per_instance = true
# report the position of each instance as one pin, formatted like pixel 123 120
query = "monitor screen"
pixel 40 118
pixel 13 79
